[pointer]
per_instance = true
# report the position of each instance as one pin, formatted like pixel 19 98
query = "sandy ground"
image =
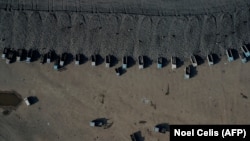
pixel 68 100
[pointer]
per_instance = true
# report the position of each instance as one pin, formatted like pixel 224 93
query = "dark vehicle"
pixel 136 136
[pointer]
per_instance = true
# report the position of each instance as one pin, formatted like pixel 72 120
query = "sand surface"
pixel 68 100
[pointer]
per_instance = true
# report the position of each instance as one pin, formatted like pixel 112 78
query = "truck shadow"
pixel 137 136
pixel 33 100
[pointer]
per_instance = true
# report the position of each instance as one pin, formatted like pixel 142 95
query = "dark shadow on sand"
pixel 53 55
pixel 216 58
pixel 114 60
pixel 104 121
pixel 137 136
pixel 147 62
pixel 193 71
pixel 67 58
pixel 36 55
pixel 199 59
pixel 12 53
pixel 235 54
pixel 131 62
pixel 164 127
pixel 121 70
pixel 164 62
pixel 99 59
pixel 33 100
pixel 23 54
pixel 83 59
pixel 179 62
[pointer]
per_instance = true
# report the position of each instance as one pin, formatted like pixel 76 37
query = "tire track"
pixel 78 35
pixel 6 26
pixel 208 36
pixel 226 31
pixel 241 27
pixel 94 29
pixel 248 21
pixel 145 37
pixel 127 35
pixel 49 38
pixel 153 53
pixel 161 38
pixel 64 32
pixel 192 35
pixel 20 30
pixel 176 37
pixel 2 39
pixel 109 34
pixel 34 31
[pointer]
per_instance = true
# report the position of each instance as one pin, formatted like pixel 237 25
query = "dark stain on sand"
pixel 10 99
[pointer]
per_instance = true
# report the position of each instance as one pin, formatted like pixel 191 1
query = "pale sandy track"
pixel 94 34
pixel 127 35
pixel 110 30
pixel 192 34
pixel 176 38
pixel 49 38
pixel 78 29
pixel 241 26
pixel 64 26
pixel 145 37
pixel 35 31
pixel 209 35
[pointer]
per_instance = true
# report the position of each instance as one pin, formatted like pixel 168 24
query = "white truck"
pixel 27 101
